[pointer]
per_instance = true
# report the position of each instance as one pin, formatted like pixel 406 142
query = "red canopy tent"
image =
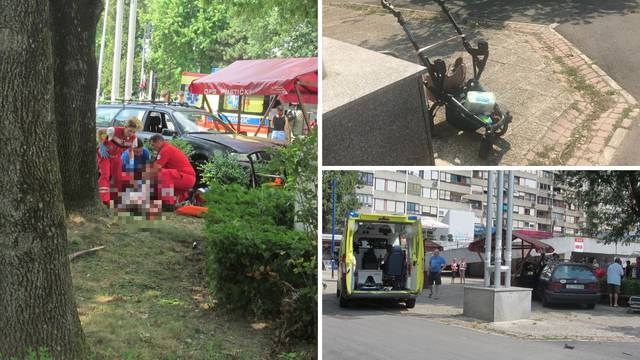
pixel 292 80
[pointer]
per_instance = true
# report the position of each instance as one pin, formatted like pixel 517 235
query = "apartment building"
pixel 538 203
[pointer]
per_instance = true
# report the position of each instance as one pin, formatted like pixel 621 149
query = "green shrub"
pixel 183 145
pixel 257 263
pixel 630 287
pixel 224 169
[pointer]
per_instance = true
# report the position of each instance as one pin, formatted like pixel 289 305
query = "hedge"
pixel 257 263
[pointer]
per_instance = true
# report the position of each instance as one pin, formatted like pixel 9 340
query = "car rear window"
pixel 574 272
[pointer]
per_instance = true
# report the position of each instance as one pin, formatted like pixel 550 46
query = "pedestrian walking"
pixel 614 277
pixel 462 267
pixel 436 264
pixel 454 269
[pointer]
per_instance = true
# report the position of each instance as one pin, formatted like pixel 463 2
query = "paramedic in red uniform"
pixel 112 142
pixel 175 175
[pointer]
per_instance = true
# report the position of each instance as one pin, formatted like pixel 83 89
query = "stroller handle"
pixel 387 5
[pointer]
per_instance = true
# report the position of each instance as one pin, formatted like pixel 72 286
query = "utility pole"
pixel 497 264
pixel 131 46
pixel 333 224
pixel 102 41
pixel 509 234
pixel 488 226
pixel 117 52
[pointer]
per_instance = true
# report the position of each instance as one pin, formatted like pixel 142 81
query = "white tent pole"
pixel 131 46
pixel 102 44
pixel 117 52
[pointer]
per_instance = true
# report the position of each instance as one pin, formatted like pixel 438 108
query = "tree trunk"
pixel 75 79
pixel 37 307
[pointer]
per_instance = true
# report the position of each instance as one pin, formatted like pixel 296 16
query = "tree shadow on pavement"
pixel 541 11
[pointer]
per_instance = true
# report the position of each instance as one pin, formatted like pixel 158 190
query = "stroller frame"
pixel 456 114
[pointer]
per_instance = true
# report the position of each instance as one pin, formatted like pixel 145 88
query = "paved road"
pixel 606 31
pixel 375 333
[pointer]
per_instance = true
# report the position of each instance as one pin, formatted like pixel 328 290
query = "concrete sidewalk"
pixel 555 323
pixel 566 110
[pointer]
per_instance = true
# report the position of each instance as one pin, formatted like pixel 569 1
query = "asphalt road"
pixel 379 333
pixel 606 31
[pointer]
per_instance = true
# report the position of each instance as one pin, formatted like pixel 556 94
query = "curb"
pixel 616 139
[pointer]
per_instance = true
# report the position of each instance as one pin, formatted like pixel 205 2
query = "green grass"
pixel 144 296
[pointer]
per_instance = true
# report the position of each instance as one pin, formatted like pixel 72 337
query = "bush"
pixel 183 145
pixel 630 287
pixel 257 263
pixel 224 169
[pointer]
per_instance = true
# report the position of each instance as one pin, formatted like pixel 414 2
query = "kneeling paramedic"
pixel 112 142
pixel 173 171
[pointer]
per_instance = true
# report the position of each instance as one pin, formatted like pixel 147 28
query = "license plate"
pixel 572 286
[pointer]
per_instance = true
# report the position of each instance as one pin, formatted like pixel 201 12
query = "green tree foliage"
pixel 346 200
pixel 198 35
pixel 610 200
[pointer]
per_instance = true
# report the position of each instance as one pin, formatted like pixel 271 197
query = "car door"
pixel 545 278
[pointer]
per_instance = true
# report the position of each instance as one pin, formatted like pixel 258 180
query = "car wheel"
pixel 410 303
pixel 591 306
pixel 338 293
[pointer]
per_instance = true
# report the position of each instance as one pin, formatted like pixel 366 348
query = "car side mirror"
pixel 168 132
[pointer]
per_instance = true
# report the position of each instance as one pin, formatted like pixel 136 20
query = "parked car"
pixel 568 283
pixel 177 121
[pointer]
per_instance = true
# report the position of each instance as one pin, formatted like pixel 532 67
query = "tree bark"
pixel 75 79
pixel 37 306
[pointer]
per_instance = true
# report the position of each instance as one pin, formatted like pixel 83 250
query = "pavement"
pixel 559 323
pixel 567 109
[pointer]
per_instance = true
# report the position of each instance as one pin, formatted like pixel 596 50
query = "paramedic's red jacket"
pixel 176 176
pixel 110 167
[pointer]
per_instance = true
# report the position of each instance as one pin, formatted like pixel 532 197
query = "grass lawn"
pixel 144 296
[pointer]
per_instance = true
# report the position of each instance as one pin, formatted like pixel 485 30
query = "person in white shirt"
pixel 614 278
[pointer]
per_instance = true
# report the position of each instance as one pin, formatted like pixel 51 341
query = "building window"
pixel 400 187
pixel 557 216
pixel 429 210
pixel 544 186
pixel 570 219
pixel 434 174
pixel 413 208
pixel 391 186
pixel 365 199
pixel 365 178
pixel 560 204
pixel 445 195
pixel 544 200
pixel 528 183
pixel 414 189
pixel 389 205
pixel 479 174
pixel 380 184
pixel 477 189
pixel 476 205
pixel 429 193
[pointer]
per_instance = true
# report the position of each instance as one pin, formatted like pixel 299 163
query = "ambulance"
pixel 381 257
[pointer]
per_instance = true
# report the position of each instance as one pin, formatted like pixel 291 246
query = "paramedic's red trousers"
pixel 172 183
pixel 109 168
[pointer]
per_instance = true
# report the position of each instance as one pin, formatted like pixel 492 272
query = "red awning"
pixel 264 77
pixel 528 242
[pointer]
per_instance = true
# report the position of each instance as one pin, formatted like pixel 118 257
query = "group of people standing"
pixel 126 167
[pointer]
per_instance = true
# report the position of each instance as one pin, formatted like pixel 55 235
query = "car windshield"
pixel 574 272
pixel 196 121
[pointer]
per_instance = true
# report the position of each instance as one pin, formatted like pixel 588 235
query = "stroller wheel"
pixel 502 130
pixel 486 145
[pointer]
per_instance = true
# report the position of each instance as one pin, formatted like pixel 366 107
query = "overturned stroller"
pixel 467 106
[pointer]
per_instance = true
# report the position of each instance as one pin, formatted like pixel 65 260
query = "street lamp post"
pixel 509 235
pixel 497 263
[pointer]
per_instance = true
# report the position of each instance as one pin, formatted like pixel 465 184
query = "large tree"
pixel 610 200
pixel 346 200
pixel 75 78
pixel 37 307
